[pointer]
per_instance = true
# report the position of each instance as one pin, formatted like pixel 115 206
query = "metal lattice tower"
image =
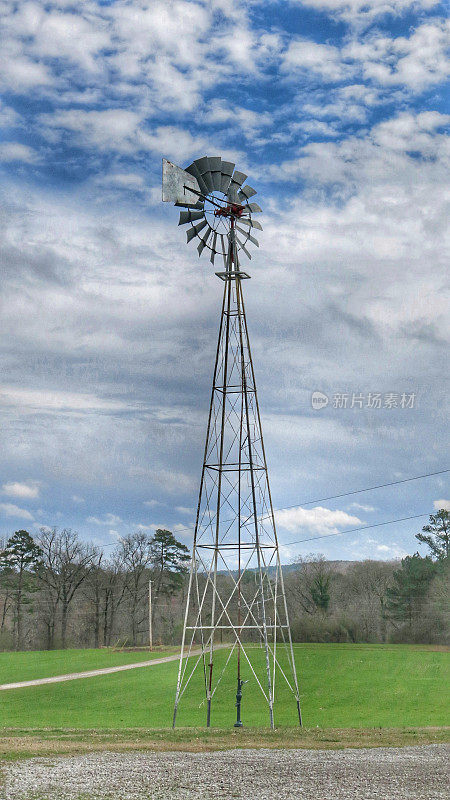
pixel 235 533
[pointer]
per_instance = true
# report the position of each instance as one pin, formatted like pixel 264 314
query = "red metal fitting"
pixel 231 210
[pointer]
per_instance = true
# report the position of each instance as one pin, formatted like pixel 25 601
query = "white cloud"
pixel 20 73
pixel 107 519
pixel 438 504
pixel 322 60
pixel 125 132
pixel 11 510
pixel 318 520
pixel 174 482
pixel 393 551
pixel 15 151
pixel 77 499
pixel 152 503
pixel 413 62
pixel 367 10
pixel 360 507
pixel 115 129
pixel 386 154
pixel 28 491
pixel 318 128
pixel 163 54
pixel 30 400
pixel 8 117
pixel 123 180
pixel 350 103
pixel 246 120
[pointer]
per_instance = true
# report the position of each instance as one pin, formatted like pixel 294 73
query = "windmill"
pixel 236 589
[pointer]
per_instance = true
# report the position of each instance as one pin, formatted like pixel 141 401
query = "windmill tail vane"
pixel 236 598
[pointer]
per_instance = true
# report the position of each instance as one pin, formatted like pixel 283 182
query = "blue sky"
pixel 338 111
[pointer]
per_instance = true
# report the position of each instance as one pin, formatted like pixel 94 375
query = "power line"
pixel 369 489
pixel 336 496
pixel 353 530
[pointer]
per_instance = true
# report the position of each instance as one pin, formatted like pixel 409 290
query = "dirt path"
pixel 92 673
pixel 406 773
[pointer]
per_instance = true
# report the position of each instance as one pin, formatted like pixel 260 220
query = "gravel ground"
pixel 409 773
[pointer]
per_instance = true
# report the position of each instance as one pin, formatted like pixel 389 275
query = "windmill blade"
pixel 195 230
pixel 190 205
pixel 203 241
pixel 252 223
pixel 224 252
pixel 232 193
pixel 246 192
pixel 205 171
pixel 239 178
pixel 215 163
pixel 247 235
pixel 243 247
pixel 227 171
pixel 213 246
pixel 194 170
pixel 190 216
pixel 254 208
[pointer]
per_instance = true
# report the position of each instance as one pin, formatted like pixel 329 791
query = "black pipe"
pixel 239 723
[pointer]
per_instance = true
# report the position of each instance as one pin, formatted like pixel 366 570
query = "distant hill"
pixel 337 566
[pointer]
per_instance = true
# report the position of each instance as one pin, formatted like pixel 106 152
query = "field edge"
pixel 21 743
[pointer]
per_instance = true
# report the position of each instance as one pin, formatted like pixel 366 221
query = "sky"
pixel 338 111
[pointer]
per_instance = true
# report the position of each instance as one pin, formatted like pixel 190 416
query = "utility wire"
pixel 336 496
pixel 359 491
pixel 353 530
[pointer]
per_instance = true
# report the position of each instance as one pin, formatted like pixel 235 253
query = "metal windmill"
pixel 236 590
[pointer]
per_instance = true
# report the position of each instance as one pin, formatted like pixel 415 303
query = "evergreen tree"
pixel 405 598
pixel 168 557
pixel 18 563
pixel 436 534
pixel 320 591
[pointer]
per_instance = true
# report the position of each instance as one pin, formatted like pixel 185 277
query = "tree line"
pixel 58 591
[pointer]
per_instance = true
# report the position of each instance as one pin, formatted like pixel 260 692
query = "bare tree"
pixel 66 564
pixel 104 589
pixel 136 553
pixel 114 589
pixel 312 585
pixel 362 593
pixel 93 591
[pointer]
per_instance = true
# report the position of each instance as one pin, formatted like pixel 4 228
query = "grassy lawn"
pixel 342 687
pixel 27 666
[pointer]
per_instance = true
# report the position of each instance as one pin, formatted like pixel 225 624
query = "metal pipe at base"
pixel 239 723
pixel 299 713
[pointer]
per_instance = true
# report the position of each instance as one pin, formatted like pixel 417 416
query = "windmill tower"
pixel 236 590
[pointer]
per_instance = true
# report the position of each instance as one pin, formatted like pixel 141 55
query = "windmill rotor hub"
pixel 230 210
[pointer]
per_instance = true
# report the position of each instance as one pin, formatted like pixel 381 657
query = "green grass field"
pixel 342 686
pixel 26 666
